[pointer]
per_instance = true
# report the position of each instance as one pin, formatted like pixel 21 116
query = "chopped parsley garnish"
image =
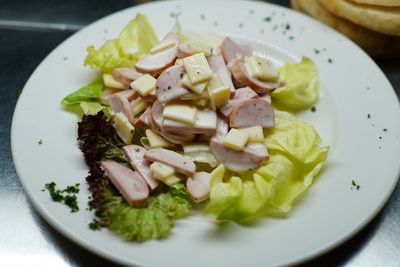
pixel 330 60
pixel 95 225
pixel 267 19
pixel 66 196
pixel 287 27
pixel 40 141
pixel 355 185
pixel 385 130
pixel 291 37
pixel 316 51
pixel 313 109
pixel 369 116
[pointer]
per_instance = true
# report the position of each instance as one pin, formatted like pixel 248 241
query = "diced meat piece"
pixel 179 127
pixel 243 78
pixel 128 94
pixel 198 186
pixel 245 160
pixel 169 84
pixel 129 183
pixel 184 50
pixel 252 112
pixel 267 98
pixel 135 155
pixel 156 119
pixel 158 62
pixel 150 97
pixel 144 119
pixel 239 95
pixel 222 128
pixel 181 164
pixel 219 67
pixel 232 51
pixel 178 138
pixel 119 103
pixel 126 75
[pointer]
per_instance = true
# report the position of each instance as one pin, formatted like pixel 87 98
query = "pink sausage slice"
pixel 169 84
pixel 126 75
pixel 181 164
pixel 150 97
pixel 239 95
pixel 232 51
pixel 239 161
pixel 129 183
pixel 243 78
pixel 184 50
pixel 119 103
pixel 128 94
pixel 219 67
pixel 252 112
pixel 158 62
pixel 144 119
pixel 198 186
pixel 135 156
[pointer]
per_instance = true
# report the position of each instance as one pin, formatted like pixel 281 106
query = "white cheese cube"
pixel 261 68
pixel 124 129
pixel 157 141
pixel 201 102
pixel 255 133
pixel 236 139
pixel 138 105
pixel 219 96
pixel 206 119
pixel 161 171
pixel 144 85
pixel 215 82
pixel 162 46
pixel 171 180
pixel 197 68
pixel 197 88
pixel 193 148
pixel 180 112
pixel 109 81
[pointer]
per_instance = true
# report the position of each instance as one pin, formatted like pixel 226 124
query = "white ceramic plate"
pixel 352 87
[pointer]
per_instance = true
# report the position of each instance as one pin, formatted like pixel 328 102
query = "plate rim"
pixel 52 221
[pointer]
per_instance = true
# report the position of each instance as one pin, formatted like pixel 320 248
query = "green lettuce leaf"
pixel 296 158
pixel 88 92
pixel 301 90
pixel 135 40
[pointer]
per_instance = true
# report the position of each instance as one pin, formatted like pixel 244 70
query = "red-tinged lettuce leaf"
pixel 98 141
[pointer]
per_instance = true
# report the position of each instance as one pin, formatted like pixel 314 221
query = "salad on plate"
pixel 194 119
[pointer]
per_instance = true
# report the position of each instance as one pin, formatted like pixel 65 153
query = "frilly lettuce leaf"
pixel 134 41
pixel 301 89
pixel 295 160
